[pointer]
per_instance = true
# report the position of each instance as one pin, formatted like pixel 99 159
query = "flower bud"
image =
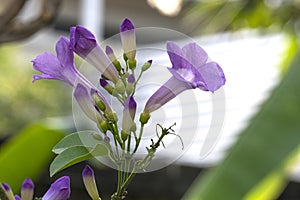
pixel 7 190
pixel 106 86
pixel 90 182
pixel 102 125
pixel 131 64
pixel 127 33
pixel 144 117
pixel 110 53
pixel 128 114
pixel 98 101
pixel 120 87
pixel 146 65
pixel 27 189
pixel 124 135
pixel 130 84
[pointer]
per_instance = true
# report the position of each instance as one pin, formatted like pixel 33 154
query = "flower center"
pixel 188 75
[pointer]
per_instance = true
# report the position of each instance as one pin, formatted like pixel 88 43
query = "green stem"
pixel 138 140
pixel 119 191
pixel 136 82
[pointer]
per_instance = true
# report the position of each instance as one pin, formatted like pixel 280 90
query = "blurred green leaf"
pixel 203 17
pixel 270 187
pixel 27 154
pixel 83 138
pixel 76 154
pixel 272 136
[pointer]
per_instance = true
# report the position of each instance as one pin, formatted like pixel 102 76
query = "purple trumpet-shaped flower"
pixel 84 43
pixel 90 182
pixel 128 114
pixel 58 68
pixel 62 68
pixel 127 34
pixel 27 189
pixel 60 189
pixel 190 70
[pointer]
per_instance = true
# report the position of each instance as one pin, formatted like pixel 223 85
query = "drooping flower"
pixel 190 70
pixel 27 189
pixel 59 68
pixel 60 189
pixel 84 43
pixel 128 114
pixel 62 68
pixel 90 182
pixel 127 34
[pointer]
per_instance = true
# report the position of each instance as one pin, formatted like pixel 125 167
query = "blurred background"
pixel 254 41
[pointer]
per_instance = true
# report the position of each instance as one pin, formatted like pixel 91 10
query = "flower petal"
pixel 83 98
pixel 194 54
pixel 47 63
pixel 65 54
pixel 59 190
pixel 82 40
pixel 175 54
pixel 165 93
pixel 213 76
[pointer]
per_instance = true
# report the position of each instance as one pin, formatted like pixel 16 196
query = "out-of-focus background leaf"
pixel 204 17
pixel 264 147
pixel 27 154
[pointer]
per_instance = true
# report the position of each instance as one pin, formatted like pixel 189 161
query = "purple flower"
pixel 27 189
pixel 58 68
pixel 127 34
pixel 17 197
pixel 89 182
pixel 84 43
pixel 190 70
pixel 110 53
pixel 62 68
pixel 128 114
pixel 59 190
pixel 8 191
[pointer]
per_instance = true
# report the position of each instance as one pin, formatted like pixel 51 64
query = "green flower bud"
pixel 124 135
pixel 133 127
pixel 99 102
pixel 146 65
pixel 144 117
pixel 131 64
pixel 113 116
pixel 103 126
pixel 120 87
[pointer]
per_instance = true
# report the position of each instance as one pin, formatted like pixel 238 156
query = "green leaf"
pixel 262 148
pixel 82 138
pixel 27 154
pixel 76 154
